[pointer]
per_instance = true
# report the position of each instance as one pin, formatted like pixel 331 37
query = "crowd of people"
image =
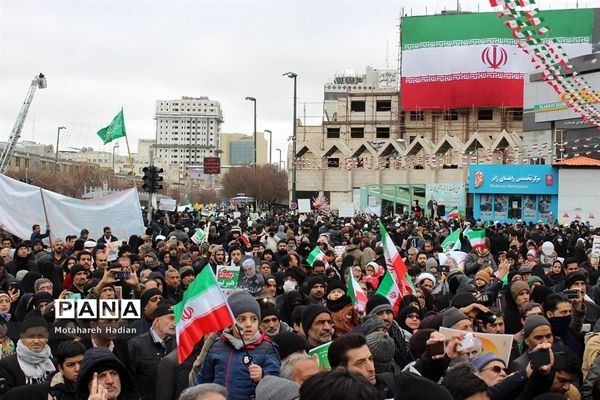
pixel 286 309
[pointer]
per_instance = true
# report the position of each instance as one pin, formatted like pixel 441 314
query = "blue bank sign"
pixel 506 179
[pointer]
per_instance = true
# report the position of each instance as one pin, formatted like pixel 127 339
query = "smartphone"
pixel 122 275
pixel 118 292
pixel 539 358
pixel 572 294
pixel 444 268
pixel 467 342
pixel 435 349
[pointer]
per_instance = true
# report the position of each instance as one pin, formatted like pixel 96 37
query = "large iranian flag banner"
pixel 472 60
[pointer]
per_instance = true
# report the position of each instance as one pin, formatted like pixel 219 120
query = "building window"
pixel 485 114
pixel 417 116
pixel 333 133
pixel 357 133
pixel 451 115
pixel 383 105
pixel 517 114
pixel 333 162
pixel 357 106
pixel 383 133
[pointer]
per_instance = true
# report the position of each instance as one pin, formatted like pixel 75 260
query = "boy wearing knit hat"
pixel 242 355
pixel 343 313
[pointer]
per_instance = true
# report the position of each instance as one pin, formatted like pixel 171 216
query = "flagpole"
pixel 46 215
pixel 129 155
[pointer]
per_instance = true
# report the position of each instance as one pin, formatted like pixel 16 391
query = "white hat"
pixel 160 237
pixel 426 275
pixel 89 244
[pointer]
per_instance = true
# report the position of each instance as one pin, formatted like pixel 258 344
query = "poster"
pixel 303 205
pixel 486 207
pixel 596 246
pixel 499 345
pixel 544 208
pixel 339 250
pixel 455 260
pixel 516 209
pixel 450 195
pixel 321 353
pixel 500 207
pixel 167 204
pixel 529 206
pixel 228 276
pixel 346 210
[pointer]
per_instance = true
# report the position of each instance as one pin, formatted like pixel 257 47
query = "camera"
pixel 121 275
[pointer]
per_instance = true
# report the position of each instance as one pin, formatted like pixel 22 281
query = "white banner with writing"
pixel 22 205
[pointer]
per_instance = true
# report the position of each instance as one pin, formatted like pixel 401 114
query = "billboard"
pixel 503 179
pixel 212 165
pixel 472 60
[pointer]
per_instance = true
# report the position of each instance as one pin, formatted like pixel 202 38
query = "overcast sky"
pixel 102 55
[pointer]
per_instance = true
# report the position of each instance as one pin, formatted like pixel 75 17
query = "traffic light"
pixel 158 179
pixel 152 179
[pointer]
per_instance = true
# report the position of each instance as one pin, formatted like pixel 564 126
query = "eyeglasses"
pixel 413 316
pixel 496 369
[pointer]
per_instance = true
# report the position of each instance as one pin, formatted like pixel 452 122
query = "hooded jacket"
pixel 96 358
pixel 224 364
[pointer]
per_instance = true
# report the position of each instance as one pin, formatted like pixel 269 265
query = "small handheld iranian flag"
pixel 477 239
pixel 315 254
pixel 396 268
pixel 390 290
pixel 203 310
pixel 356 294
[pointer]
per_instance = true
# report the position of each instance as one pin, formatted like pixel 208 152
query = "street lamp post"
pixel 270 144
pixel 57 141
pixel 293 75
pixel 253 99
pixel 279 165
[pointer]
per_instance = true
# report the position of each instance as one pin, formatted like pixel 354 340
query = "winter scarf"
pixel 34 365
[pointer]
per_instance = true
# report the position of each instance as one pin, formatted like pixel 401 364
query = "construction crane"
pixel 38 81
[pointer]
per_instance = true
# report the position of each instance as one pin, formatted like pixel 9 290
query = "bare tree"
pixel 268 184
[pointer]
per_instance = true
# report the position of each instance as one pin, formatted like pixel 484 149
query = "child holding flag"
pixel 242 355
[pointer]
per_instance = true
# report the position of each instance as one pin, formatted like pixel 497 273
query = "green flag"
pixel 115 130
pixel 450 240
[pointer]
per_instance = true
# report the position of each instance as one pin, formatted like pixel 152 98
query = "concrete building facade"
pixel 187 130
pixel 368 142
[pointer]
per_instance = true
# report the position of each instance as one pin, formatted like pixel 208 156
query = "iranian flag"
pixel 315 254
pixel 203 310
pixel 356 294
pixel 389 289
pixel 477 239
pixel 472 60
pixel 396 268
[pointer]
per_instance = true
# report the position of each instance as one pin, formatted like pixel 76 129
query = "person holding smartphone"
pixel 536 330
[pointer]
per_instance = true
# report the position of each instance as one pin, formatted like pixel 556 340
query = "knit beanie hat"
pixel 289 343
pixel 76 269
pixel 573 277
pixel 186 271
pixel 483 275
pixel 310 313
pixel 275 388
pixel 267 311
pixel 370 324
pixel 241 302
pixel 165 307
pixel 430 263
pixel 336 284
pixel 147 295
pixel 451 317
pixel 378 303
pixel 312 281
pixel 480 362
pixel 42 297
pixel 382 348
pixel 539 294
pixel 532 322
pixel 534 279
pixel 463 300
pixel 517 287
